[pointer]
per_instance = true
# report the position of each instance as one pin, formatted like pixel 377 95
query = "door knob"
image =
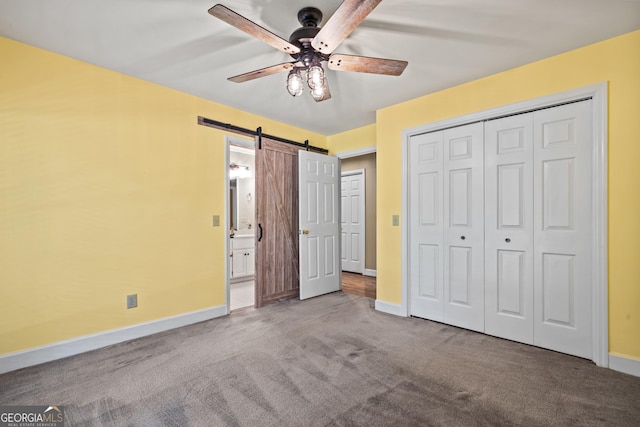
pixel 507 240
pixel 305 231
pixel 462 237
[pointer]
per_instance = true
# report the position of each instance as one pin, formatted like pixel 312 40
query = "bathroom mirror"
pixel 241 190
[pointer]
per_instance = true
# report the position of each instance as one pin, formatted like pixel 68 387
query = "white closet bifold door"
pixel 509 228
pixel 426 224
pixel 500 218
pixel 464 226
pixel 562 229
pixel 447 227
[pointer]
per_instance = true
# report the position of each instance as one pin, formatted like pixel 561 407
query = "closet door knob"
pixel 462 237
pixel 507 240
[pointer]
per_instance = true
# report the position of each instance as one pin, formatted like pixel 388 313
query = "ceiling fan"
pixel 311 45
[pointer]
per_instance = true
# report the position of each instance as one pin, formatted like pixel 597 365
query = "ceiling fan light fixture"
pixel 319 91
pixel 294 83
pixel 239 171
pixel 315 75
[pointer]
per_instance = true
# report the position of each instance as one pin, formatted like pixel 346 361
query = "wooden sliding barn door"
pixel 277 276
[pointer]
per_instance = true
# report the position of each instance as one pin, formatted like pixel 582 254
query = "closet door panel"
pixel 562 217
pixel 509 228
pixel 426 223
pixel 511 196
pixel 511 284
pixel 460 279
pixel 463 227
pixel 460 197
pixel 429 272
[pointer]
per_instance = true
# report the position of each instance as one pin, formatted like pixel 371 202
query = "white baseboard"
pixel 626 364
pixel 368 272
pixel 389 308
pixel 37 355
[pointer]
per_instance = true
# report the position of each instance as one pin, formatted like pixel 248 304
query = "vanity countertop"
pixel 243 235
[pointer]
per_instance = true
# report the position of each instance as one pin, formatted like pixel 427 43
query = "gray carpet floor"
pixel 328 361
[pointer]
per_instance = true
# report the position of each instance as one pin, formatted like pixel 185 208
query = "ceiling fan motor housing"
pixel 309 17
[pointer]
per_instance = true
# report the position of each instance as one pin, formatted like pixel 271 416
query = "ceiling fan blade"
pixel 240 22
pixel 263 72
pixel 365 64
pixel 348 16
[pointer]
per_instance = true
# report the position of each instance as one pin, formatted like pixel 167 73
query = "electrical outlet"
pixel 396 220
pixel 132 301
pixel 216 220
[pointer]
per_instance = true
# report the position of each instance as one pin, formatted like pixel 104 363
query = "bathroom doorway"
pixel 241 222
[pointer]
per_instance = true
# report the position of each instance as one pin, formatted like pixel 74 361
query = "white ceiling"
pixel 177 44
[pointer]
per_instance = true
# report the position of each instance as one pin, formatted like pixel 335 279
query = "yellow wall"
pixel 617 61
pixel 354 139
pixel 107 188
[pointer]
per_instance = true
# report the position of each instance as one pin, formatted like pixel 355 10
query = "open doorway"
pixel 241 222
pixel 363 163
pixel 358 212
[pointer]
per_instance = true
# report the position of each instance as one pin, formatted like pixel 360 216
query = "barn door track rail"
pixel 258 132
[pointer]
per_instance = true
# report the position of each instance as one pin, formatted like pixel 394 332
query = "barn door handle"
pixel 259 232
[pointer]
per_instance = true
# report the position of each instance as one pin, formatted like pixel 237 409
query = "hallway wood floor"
pixel 358 284
pixel 242 297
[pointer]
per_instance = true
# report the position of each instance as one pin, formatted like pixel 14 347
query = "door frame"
pixel 230 140
pixel 356 153
pixel 363 208
pixel 598 93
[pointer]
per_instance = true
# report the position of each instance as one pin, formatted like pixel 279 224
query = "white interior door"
pixel 509 228
pixel 426 239
pixel 562 220
pixel 464 226
pixel 352 218
pixel 319 222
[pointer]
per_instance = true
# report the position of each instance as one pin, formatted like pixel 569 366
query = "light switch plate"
pixel 132 301
pixel 216 220
pixel 396 220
